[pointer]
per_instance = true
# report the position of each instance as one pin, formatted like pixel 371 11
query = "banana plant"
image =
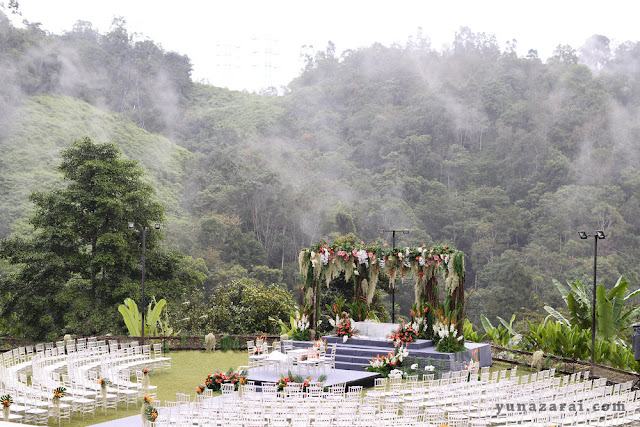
pixel 613 318
pixel 578 303
pixel 498 336
pixel 470 334
pixel 613 321
pixel 514 337
pixel 133 318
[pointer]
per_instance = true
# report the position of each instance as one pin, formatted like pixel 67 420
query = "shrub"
pixel 244 307
pixel 226 342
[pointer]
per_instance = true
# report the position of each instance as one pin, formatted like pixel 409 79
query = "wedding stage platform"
pixel 355 353
pixel 334 376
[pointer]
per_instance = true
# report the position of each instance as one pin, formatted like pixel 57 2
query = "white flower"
pixel 396 373
pixel 421 261
pixel 460 338
pixel 334 322
pixel 406 263
pixel 363 257
pixel 324 256
pixel 430 368
pixel 446 259
pixel 382 262
pixel 344 338
pixel 414 366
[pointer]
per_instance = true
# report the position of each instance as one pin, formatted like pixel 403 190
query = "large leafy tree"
pixel 82 259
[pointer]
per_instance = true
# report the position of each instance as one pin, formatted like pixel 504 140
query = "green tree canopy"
pixel 82 260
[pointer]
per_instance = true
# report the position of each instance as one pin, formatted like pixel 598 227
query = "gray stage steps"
pixel 357 357
pixel 355 354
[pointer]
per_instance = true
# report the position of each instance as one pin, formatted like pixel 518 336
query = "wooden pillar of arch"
pixel 457 300
pixel 316 309
pixel 431 296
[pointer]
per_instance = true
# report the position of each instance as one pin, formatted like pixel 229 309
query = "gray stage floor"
pixel 334 376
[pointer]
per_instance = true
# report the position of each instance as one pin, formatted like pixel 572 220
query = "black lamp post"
pixel 599 235
pixel 393 287
pixel 132 225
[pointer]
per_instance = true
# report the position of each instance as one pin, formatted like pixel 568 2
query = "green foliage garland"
pixel 365 263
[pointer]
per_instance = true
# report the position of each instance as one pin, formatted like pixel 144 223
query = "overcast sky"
pixel 255 43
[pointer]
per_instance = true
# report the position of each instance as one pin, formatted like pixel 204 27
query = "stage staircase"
pixel 355 354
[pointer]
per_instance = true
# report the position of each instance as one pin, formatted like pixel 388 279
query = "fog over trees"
pixel 504 157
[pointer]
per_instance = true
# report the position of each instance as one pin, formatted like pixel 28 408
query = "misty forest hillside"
pixel 505 157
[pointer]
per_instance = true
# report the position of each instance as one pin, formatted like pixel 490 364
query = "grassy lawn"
pixel 188 369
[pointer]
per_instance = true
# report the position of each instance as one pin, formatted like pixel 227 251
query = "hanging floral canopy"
pixel 364 264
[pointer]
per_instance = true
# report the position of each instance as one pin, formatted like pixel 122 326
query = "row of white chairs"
pixel 77 370
pixel 453 401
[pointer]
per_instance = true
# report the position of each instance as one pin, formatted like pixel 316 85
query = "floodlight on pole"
pixel 132 225
pixel 599 234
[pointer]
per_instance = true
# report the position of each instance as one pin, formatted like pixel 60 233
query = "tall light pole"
pixel 393 287
pixel 132 225
pixel 598 235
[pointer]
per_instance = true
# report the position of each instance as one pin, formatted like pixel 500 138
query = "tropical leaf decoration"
pixel 133 318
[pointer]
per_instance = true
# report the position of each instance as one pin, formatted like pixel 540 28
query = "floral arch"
pixel 365 264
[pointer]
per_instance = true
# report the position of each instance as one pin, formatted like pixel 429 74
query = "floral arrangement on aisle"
pixel 59 392
pixel 404 335
pixel 473 364
pixel 344 327
pixel 6 400
pixel 146 383
pixel 151 413
pixel 214 381
pixel 103 386
pixel 147 400
pixel 200 388
pixel 385 364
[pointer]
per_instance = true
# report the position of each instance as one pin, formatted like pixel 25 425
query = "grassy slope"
pixel 44 125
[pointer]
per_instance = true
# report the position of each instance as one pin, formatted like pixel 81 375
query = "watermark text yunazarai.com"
pixel 559 407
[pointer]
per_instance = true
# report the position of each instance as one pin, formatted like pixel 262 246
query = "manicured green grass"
pixel 188 369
